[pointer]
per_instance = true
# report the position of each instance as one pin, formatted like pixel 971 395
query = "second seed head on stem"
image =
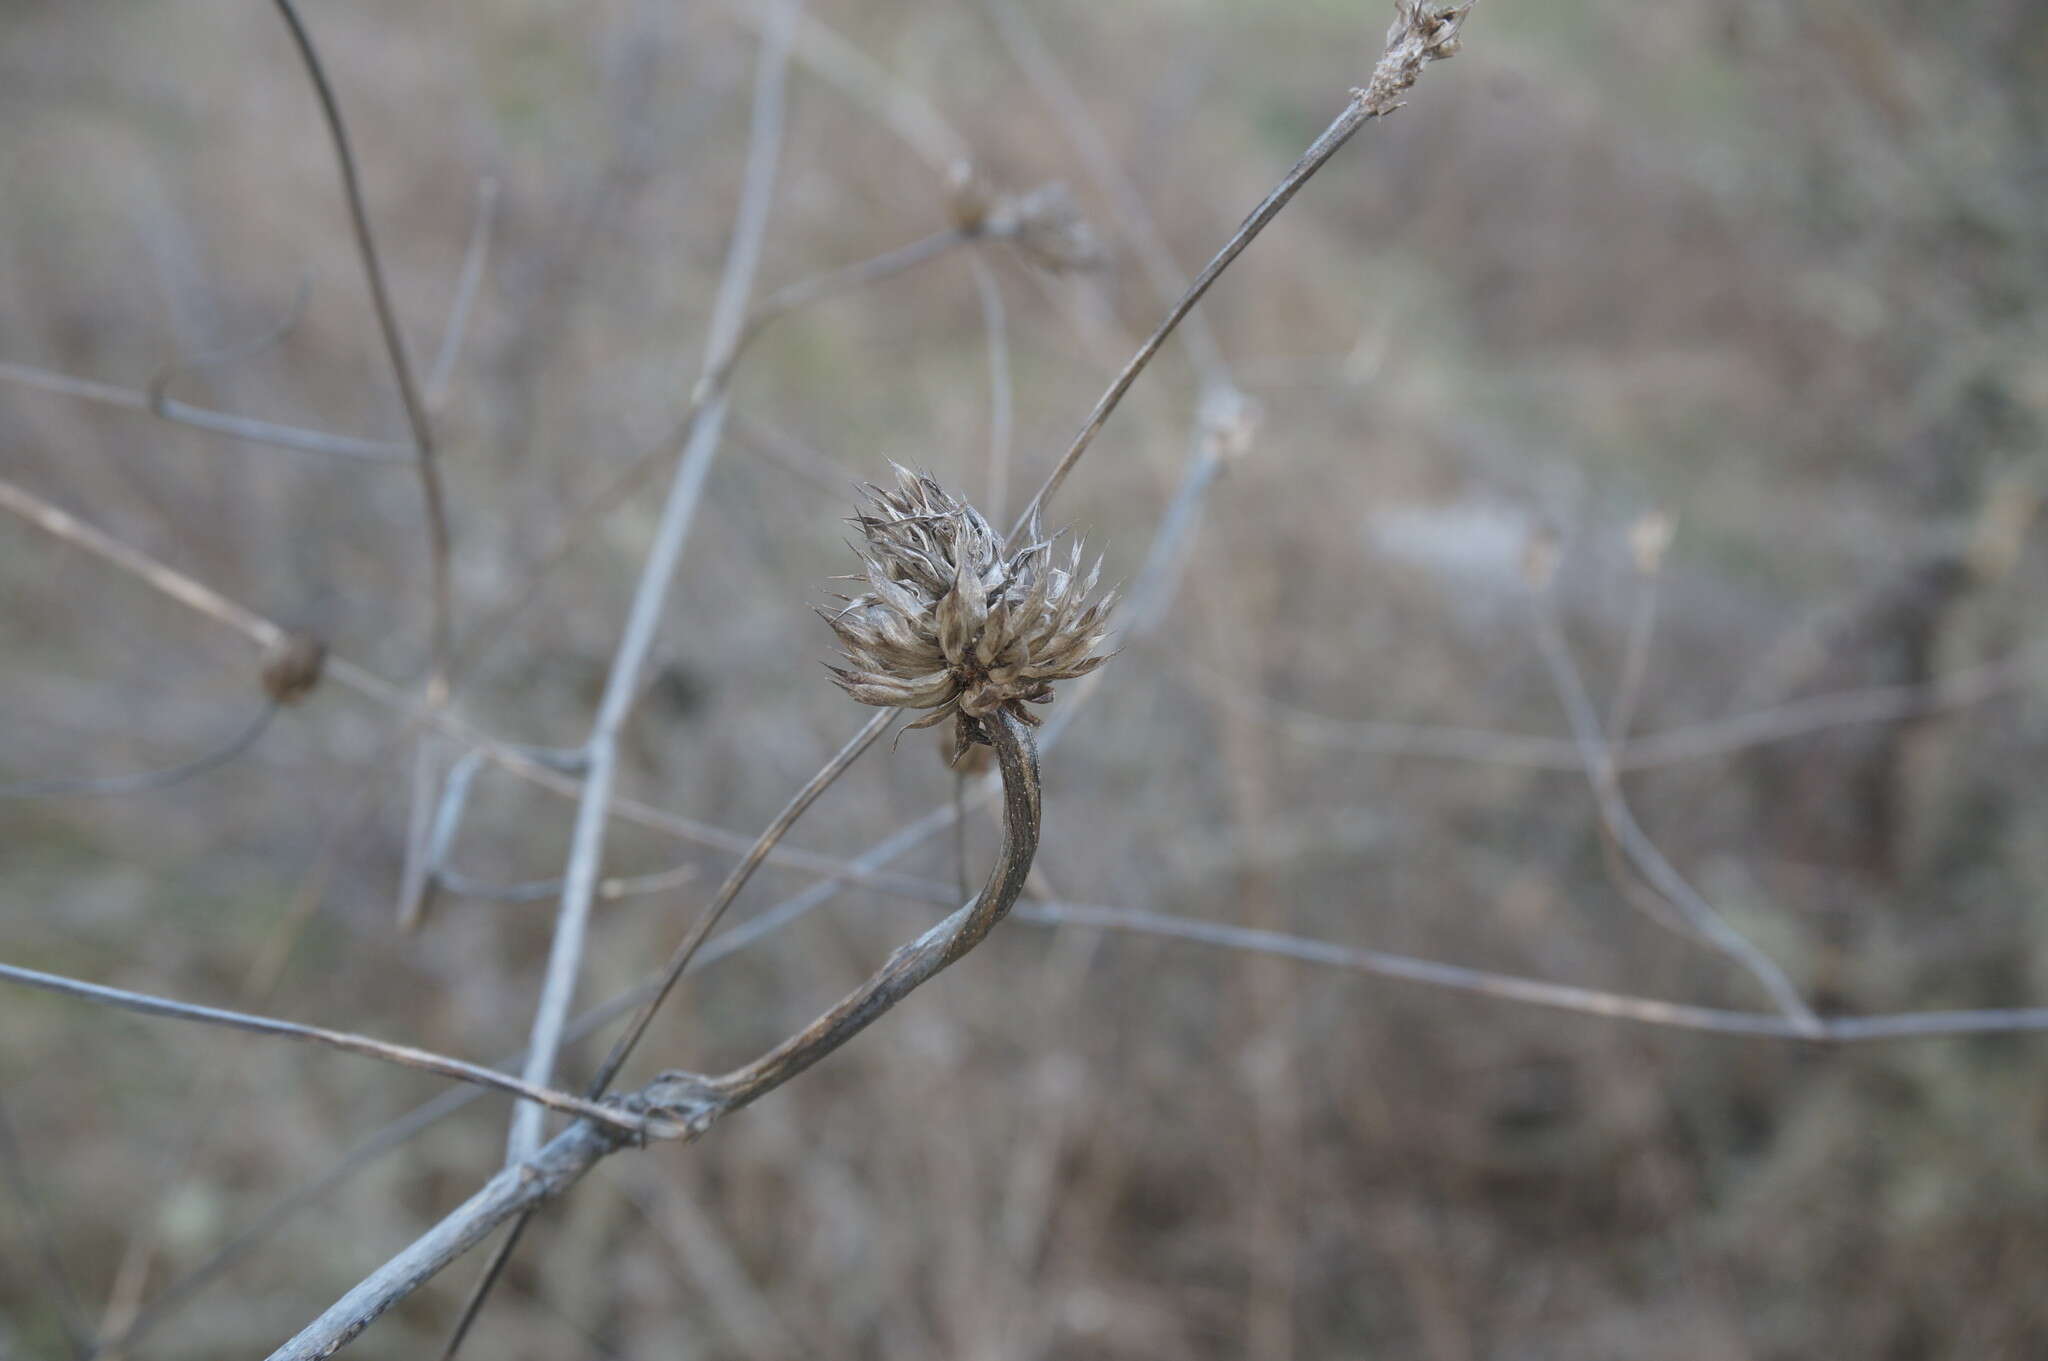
pixel 952 623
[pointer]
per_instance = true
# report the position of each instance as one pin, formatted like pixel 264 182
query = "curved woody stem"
pixel 914 963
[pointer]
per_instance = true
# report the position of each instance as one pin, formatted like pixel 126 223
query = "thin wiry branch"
pixel 1028 49
pixel 1536 992
pixel 156 400
pixel 1422 33
pixel 441 591
pixel 528 763
pixel 1512 988
pixel 786 451
pixel 466 285
pixel 1641 851
pixel 651 594
pixel 699 1101
pixel 1960 689
pixel 533 765
pixel 179 587
pixel 366 1151
pixel 711 386
pixel 707 921
pixel 830 57
pixel 208 419
pixel 404 1056
pixel 1001 402
pixel 142 782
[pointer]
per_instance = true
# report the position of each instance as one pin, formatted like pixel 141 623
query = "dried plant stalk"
pixel 697 1101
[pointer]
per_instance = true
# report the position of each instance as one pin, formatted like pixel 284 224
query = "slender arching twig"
pixel 422 430
pixel 921 959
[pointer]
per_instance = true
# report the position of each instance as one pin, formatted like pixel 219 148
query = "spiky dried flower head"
pixel 953 623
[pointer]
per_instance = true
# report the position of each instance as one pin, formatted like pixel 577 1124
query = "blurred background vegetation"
pixel 1776 271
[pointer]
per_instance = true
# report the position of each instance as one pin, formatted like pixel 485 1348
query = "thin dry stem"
pixel 434 498
pixel 707 921
pixel 830 57
pixel 1960 689
pixel 208 419
pixel 146 781
pixel 1028 49
pixel 1536 992
pixel 1422 33
pixel 658 574
pixel 1642 852
pixel 467 283
pixel 704 1099
pixel 1001 401
pixel 711 387
pixel 404 1056
pixel 699 1101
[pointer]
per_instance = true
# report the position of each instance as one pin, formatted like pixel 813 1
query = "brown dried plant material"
pixel 1045 224
pixel 970 198
pixel 1422 32
pixel 953 623
pixel 292 667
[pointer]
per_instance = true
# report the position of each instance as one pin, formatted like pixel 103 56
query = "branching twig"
pixel 1799 718
pixel 441 595
pixel 651 594
pixel 838 62
pixel 714 911
pixel 206 418
pixel 1536 992
pixel 710 386
pixel 1027 47
pixel 145 781
pixel 404 1056
pixel 466 285
pixel 695 1101
pixel 1642 852
pixel 699 1100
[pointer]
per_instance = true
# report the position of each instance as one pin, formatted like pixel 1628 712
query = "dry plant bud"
pixel 1649 539
pixel 970 198
pixel 292 667
pixel 1422 32
pixel 1047 226
pixel 1540 557
pixel 953 624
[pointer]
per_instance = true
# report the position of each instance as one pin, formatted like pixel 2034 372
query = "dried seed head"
pixel 1423 31
pixel 954 624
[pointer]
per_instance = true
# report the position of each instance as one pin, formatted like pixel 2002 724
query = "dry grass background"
pixel 1774 270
